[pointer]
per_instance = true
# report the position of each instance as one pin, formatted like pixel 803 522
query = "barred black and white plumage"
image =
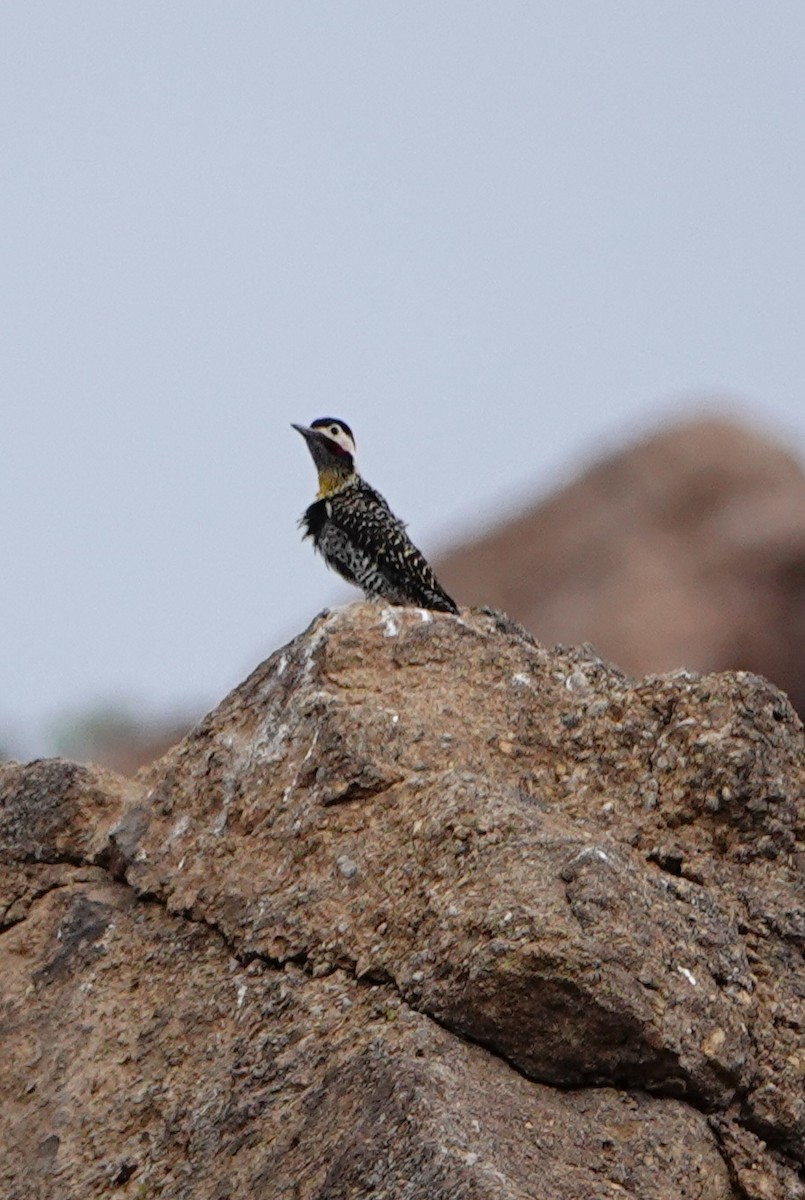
pixel 356 532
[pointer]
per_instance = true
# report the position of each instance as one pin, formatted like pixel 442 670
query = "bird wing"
pixel 367 521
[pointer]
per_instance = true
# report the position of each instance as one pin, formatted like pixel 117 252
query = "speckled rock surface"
pixel 421 909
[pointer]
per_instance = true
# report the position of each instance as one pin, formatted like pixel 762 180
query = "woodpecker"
pixel 356 532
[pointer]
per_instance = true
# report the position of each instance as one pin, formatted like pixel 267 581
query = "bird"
pixel 355 531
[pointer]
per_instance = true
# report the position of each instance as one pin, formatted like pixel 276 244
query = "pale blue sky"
pixel 496 238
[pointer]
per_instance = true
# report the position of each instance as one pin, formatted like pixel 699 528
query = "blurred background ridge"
pixel 684 550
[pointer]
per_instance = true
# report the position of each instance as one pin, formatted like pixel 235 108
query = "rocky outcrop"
pixel 687 549
pixel 422 909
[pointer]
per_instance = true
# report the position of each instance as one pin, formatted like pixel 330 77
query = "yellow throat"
pixel 332 479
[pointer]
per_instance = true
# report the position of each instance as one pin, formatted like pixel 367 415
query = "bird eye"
pixel 334 430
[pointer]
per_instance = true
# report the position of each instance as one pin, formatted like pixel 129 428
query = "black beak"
pixel 313 437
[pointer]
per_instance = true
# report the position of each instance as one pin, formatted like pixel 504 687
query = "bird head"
pixel 332 448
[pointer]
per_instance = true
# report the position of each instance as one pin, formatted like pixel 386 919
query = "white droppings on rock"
pixel 271 749
pixel 523 679
pixel 310 647
pixel 425 616
pixel 390 626
pixel 292 785
pixel 691 978
pixel 242 989
pixel 346 866
pixel 592 852
pixel 178 829
pixel 282 665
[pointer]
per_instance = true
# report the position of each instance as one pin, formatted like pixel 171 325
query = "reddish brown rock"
pixel 686 550
pixel 422 909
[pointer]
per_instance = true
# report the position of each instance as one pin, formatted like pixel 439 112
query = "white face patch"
pixel 335 431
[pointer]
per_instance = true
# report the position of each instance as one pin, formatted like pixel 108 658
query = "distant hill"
pixel 684 550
